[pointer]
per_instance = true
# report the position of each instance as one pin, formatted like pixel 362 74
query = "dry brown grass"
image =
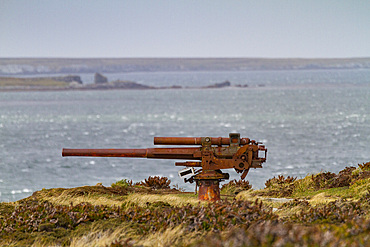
pixel 94 200
pixel 78 195
pixel 173 200
pixel 250 195
pixel 101 237
pixel 177 236
pixel 322 198
pixel 96 195
pixel 24 82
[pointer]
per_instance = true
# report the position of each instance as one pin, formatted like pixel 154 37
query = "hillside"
pixel 324 209
pixel 30 66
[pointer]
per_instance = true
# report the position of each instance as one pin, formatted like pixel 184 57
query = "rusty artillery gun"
pixel 211 155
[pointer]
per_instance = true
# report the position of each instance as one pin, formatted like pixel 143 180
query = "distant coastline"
pixel 44 66
pixel 38 74
pixel 74 82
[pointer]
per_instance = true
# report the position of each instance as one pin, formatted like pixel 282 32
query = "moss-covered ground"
pixel 324 209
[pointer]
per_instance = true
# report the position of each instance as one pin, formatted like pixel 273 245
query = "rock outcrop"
pixel 118 85
pixel 219 85
pixel 99 78
pixel 130 85
pixel 68 78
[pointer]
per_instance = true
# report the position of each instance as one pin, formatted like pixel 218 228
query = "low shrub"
pixel 156 182
pixel 235 186
pixel 279 187
pixel 123 183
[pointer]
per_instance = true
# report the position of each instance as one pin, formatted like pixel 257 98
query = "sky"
pixel 185 28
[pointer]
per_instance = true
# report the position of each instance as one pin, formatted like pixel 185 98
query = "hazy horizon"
pixel 262 58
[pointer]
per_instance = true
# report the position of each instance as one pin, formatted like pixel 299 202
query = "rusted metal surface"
pixel 195 141
pixel 189 164
pixel 137 153
pixel 209 190
pixel 150 153
pixel 212 155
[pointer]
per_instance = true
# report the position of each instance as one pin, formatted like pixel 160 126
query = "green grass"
pixel 304 188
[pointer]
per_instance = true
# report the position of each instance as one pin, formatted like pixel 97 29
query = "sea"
pixel 309 120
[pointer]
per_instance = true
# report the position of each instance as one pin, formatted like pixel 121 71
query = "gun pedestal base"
pixel 209 189
pixel 208 182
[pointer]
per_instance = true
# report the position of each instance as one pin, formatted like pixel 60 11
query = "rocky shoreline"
pixel 74 82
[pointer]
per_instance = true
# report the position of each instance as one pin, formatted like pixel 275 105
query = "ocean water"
pixel 310 121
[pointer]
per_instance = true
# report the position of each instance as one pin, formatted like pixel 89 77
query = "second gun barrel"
pixel 137 153
pixel 195 141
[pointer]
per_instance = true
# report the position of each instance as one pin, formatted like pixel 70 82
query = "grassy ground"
pixel 30 82
pixel 324 209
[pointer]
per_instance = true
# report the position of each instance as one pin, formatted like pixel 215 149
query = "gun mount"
pixel 210 156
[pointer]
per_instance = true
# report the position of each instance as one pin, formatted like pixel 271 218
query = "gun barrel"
pixel 150 153
pixel 195 141
pixel 137 153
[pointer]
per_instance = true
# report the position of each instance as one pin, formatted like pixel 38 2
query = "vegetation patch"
pixel 327 213
pixel 235 186
pixel 31 216
pixel 156 183
pixel 279 186
pixel 30 82
pixel 343 184
pixel 277 233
